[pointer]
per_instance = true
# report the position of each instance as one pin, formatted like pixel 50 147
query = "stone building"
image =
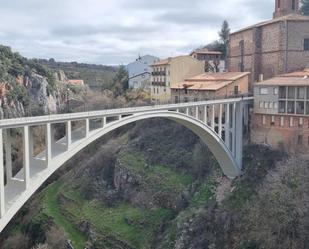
pixel 212 59
pixel 169 72
pixel 273 47
pixel 281 112
pixel 210 86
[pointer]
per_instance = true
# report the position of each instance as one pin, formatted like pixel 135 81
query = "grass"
pixel 204 193
pixel 52 209
pixel 135 226
pixel 156 177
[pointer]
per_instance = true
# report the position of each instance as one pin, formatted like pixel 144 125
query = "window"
pixel 293 5
pixel 279 4
pixel 291 92
pixel 306 44
pixel 291 122
pixel 263 119
pixel 299 140
pixel 266 105
pixel 301 92
pixel 275 90
pixel 300 107
pixel 261 104
pixel 271 105
pixel 281 121
pixel 275 105
pixel 300 122
pixel 291 107
pixel 282 107
pixel 272 120
pixel 263 90
pixel 282 92
pixel 235 90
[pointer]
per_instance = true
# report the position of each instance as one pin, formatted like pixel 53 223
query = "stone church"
pixel 273 47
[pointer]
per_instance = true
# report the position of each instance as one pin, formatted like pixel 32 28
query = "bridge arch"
pixel 15 193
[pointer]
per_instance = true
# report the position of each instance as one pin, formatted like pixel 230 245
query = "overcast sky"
pixel 116 31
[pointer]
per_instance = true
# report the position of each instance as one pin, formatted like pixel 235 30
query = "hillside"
pixel 97 77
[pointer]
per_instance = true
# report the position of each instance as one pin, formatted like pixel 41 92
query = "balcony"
pixel 159 73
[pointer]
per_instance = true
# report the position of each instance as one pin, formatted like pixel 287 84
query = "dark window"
pixel 300 140
pixel 306 44
pixel 235 90
pixel 293 5
pixel 176 99
pixel 279 4
pixel 186 91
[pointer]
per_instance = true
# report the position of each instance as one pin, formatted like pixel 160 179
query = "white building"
pixel 140 72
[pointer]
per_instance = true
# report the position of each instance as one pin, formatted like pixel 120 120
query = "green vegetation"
pixel 52 209
pixel 96 76
pixel 204 193
pixel 157 177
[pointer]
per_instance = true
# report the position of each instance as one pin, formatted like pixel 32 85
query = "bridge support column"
pixel 26 156
pixel 239 133
pixel 8 155
pixel 234 129
pixel 68 134
pixel 2 198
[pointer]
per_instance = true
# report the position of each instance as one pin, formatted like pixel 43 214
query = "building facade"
pixel 140 72
pixel 169 72
pixel 209 86
pixel 274 47
pixel 212 59
pixel 281 112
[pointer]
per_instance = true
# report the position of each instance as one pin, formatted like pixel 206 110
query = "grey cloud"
pixel 113 32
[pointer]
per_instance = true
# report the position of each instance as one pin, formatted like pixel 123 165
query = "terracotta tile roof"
pixel 285 81
pixel 298 78
pixel 218 76
pixel 290 17
pixel 206 86
pixel 210 81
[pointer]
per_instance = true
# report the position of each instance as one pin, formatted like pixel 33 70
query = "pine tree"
pixel 305 7
pixel 224 35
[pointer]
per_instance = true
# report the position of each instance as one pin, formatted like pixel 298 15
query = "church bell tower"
pixel 285 7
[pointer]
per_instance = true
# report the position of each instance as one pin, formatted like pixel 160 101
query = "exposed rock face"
pixel 38 89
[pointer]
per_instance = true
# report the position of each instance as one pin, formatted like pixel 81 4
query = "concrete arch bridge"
pixel 219 123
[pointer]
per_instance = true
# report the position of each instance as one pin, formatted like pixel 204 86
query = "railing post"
pixel 26 156
pixel 213 117
pixel 227 126
pixel 205 115
pixel 48 143
pixel 239 133
pixel 8 155
pixel 234 130
pixel 69 134
pixel 197 112
pixel 103 121
pixel 2 197
pixel 220 121
pixel 87 127
pixel 187 111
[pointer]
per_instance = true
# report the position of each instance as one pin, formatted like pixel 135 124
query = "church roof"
pixel 290 17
